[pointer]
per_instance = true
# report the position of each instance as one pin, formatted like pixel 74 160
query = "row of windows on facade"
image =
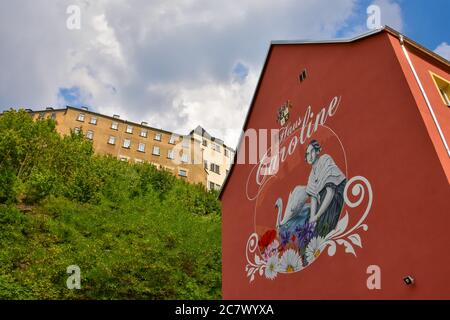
pixel 181 172
pixel 216 147
pixel 144 132
pixel 141 146
pixel 214 167
pixel 129 128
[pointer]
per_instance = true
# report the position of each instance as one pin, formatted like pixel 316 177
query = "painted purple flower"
pixel 304 234
pixel 285 237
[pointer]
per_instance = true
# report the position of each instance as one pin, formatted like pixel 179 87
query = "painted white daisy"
pixel 290 261
pixel 314 249
pixel 272 267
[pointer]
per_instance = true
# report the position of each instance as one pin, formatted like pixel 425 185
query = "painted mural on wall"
pixel 305 202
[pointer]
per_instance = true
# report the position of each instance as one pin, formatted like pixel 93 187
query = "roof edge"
pixel 337 40
pixel 385 28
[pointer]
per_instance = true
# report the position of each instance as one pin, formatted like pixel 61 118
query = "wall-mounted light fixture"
pixel 408 280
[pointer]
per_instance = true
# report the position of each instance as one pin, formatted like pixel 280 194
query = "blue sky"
pixel 176 64
pixel 425 21
pixel 72 97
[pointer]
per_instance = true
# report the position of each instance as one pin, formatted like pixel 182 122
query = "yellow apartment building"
pixel 196 157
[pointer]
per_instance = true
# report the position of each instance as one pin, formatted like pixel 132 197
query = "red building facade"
pixel 354 197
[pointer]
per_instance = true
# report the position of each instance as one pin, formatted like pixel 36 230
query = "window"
pixel 112 140
pixel 184 158
pixel 93 120
pixel 143 133
pixel 115 125
pixel 76 130
pixel 53 116
pixel 90 134
pixel 444 88
pixel 41 115
pixel 129 129
pixel 182 173
pixel 211 185
pixel 123 158
pixel 171 154
pixel 141 147
pixel 158 136
pixel 225 151
pixel 126 143
pixel 81 117
pixel 215 168
pixel 206 164
pixel 205 142
pixel 172 139
pixel 155 151
pixel 218 186
pixel 446 97
pixel 216 147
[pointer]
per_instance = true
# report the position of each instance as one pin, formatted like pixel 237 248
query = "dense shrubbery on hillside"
pixel 135 232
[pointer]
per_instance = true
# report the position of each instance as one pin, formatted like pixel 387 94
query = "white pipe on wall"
pixel 436 122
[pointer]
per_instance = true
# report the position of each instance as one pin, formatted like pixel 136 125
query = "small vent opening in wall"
pixel 302 76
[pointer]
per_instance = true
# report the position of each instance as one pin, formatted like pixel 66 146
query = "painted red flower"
pixel 267 238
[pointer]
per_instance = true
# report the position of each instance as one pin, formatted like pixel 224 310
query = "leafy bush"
pixel 135 232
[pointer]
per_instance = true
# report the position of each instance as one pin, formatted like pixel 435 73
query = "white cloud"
pixel 170 63
pixel 443 50
pixel 391 13
pixel 220 104
pixel 106 42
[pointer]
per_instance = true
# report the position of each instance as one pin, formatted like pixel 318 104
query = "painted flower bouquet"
pixel 287 252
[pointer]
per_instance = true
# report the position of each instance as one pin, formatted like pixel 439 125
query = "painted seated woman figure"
pixel 325 187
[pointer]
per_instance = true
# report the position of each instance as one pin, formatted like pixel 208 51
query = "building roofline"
pixel 418 46
pixel 132 122
pixel 109 117
pixel 364 35
pixel 206 134
pixel 388 29
pixel 337 40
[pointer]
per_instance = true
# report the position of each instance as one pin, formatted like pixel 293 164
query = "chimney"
pixel 49 108
pixel 84 108
pixel 143 123
pixel 116 116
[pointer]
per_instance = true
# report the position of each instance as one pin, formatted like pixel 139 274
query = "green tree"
pixel 135 231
